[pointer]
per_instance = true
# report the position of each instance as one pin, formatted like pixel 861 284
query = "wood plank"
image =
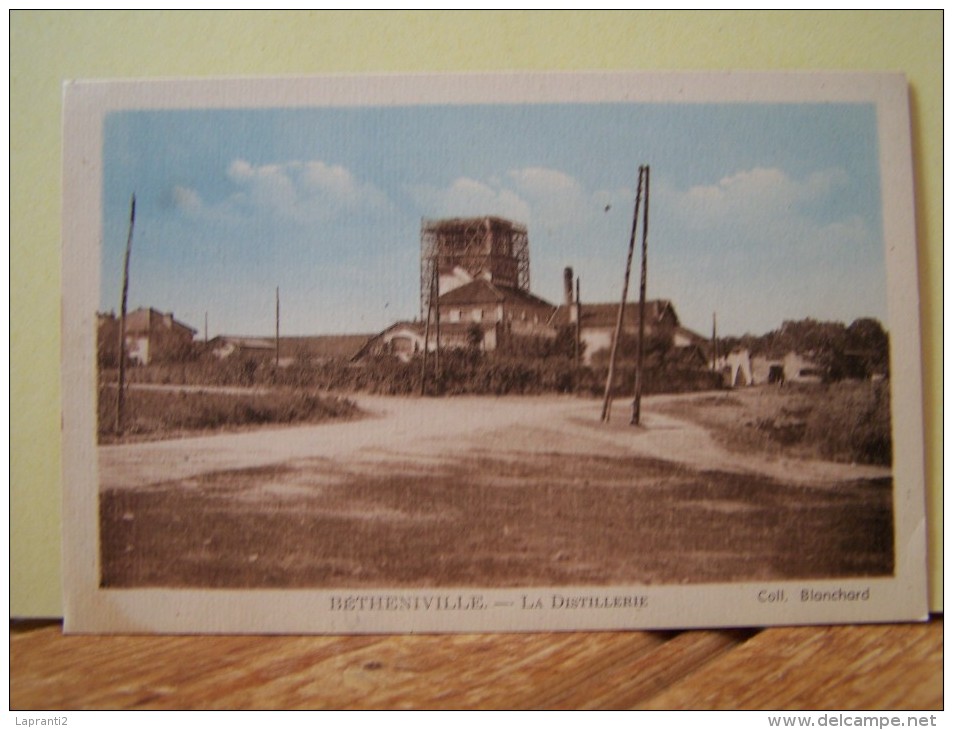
pixel 869 667
pixel 878 667
pixel 249 672
pixel 627 683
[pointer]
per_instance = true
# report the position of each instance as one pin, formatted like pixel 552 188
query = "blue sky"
pixel 760 213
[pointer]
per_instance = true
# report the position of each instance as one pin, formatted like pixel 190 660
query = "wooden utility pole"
pixel 714 342
pixel 637 401
pixel 423 366
pixel 607 399
pixel 577 344
pixel 120 401
pixel 435 297
pixel 277 321
pixel 206 329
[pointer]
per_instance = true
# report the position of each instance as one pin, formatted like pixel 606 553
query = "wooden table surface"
pixel 876 667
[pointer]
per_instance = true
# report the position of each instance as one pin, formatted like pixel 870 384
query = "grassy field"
pixel 168 413
pixel 845 422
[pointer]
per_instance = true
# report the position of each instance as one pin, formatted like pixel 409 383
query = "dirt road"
pixel 419 428
pixel 481 491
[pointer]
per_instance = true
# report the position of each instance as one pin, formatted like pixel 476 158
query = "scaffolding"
pixel 492 248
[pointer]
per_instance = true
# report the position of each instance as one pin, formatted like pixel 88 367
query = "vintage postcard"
pixel 505 352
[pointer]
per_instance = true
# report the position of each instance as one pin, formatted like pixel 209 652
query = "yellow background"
pixel 49 47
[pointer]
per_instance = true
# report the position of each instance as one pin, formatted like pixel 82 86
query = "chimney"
pixel 567 285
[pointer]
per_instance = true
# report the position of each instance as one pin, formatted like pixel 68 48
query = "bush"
pixel 462 371
pixel 169 411
pixel 851 422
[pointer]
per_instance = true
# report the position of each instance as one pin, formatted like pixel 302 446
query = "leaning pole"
pixel 637 401
pixel 607 399
pixel 120 401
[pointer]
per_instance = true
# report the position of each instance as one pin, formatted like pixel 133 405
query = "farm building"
pixel 403 340
pixel 740 368
pixel 151 336
pixel 313 350
pixel 599 323
pixel 225 346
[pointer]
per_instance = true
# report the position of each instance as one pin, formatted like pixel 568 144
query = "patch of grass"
pixel 164 413
pixel 847 421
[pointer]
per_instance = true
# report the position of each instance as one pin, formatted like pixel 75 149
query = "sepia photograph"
pixel 491 353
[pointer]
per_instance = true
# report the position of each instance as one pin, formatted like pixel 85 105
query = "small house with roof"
pixel 150 336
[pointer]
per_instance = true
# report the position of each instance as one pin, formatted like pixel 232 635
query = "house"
pixel 793 367
pixel 739 368
pixel 735 368
pixel 150 336
pixel 259 348
pixel 313 350
pixel 512 311
pixel 598 324
pixel 323 348
pixel 404 340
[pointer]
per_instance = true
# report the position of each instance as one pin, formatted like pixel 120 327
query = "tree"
pixel 868 341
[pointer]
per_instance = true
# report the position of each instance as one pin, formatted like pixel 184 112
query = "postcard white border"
pixel 87 608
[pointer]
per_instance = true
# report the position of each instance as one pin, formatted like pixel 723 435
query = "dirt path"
pixel 405 429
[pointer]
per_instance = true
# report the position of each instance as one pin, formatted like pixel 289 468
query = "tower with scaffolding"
pixel 456 251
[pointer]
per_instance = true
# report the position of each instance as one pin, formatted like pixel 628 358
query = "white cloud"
pixel 468 197
pixel 186 199
pixel 752 197
pixel 542 198
pixel 303 192
pixel 796 249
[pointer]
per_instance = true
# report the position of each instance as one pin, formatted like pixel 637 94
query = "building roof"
pixel 446 328
pixel 693 337
pixel 605 315
pixel 453 330
pixel 481 291
pixel 147 319
pixel 326 346
pixel 246 343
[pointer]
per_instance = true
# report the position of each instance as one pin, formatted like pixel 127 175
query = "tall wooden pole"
pixel 714 342
pixel 423 366
pixel 435 297
pixel 637 402
pixel 577 345
pixel 277 321
pixel 607 399
pixel 120 401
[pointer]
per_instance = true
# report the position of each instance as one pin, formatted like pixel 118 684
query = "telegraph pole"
pixel 637 402
pixel 607 399
pixel 577 344
pixel 277 321
pixel 120 402
pixel 435 297
pixel 423 366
